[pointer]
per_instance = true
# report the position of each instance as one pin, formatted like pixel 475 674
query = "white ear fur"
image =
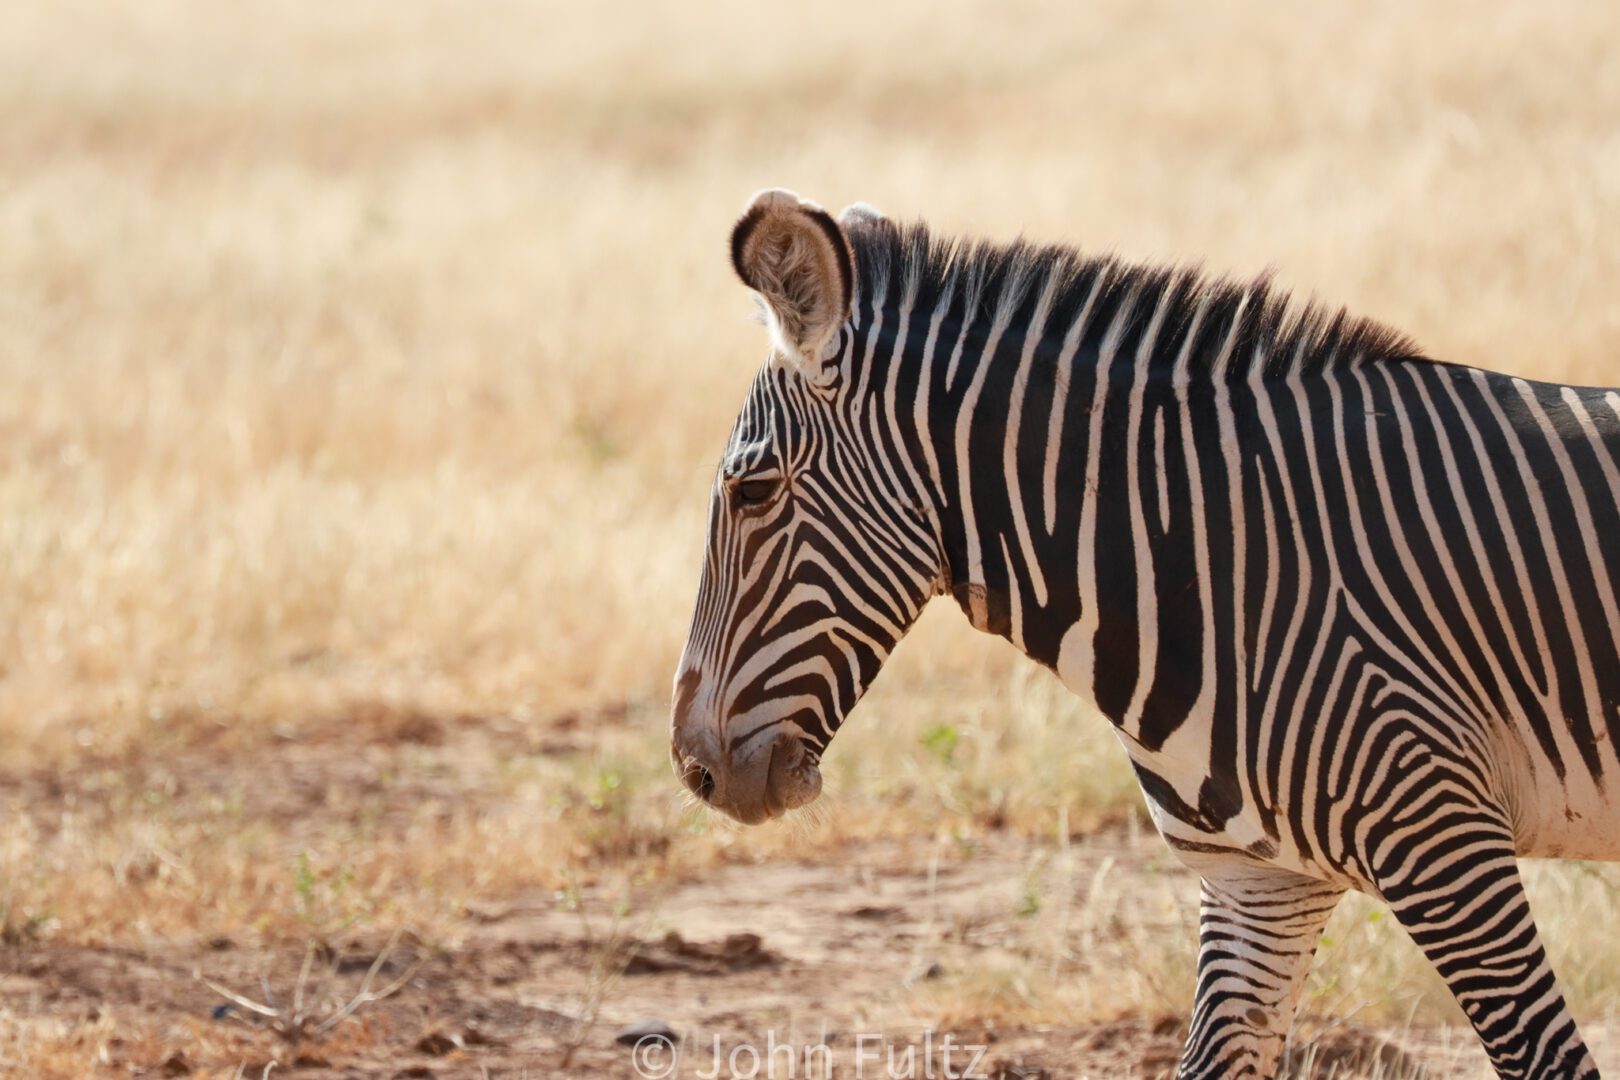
pixel 860 214
pixel 797 258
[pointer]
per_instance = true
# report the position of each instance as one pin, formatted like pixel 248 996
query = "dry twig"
pixel 297 1022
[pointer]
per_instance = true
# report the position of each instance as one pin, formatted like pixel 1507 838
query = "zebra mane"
pixel 1268 328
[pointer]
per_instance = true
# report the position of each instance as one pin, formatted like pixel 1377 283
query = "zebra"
pixel 1352 611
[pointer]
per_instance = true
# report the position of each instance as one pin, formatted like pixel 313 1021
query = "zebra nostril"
pixel 699 780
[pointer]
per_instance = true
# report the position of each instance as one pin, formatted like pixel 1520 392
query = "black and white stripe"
pixel 1353 612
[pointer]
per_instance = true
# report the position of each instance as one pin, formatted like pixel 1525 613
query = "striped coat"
pixel 1353 612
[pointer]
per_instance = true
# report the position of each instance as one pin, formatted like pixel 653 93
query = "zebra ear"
pixel 857 214
pixel 797 258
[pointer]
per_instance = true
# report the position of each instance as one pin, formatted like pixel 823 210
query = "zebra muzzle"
pixel 752 787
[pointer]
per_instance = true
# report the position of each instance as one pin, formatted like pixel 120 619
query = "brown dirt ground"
pixel 811 952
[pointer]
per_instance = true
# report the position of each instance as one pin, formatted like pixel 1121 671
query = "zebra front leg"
pixel 1463 902
pixel 1258 930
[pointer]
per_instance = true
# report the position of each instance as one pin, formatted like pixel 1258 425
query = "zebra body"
pixel 1400 542
pixel 1353 612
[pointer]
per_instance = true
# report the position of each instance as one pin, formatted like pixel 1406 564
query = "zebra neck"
pixel 1068 422
pixel 1062 460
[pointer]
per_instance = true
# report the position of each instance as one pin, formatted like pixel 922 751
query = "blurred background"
pixel 363 368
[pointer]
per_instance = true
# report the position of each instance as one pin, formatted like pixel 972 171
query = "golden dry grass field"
pixel 362 371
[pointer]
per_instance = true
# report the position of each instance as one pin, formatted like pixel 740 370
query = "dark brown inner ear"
pixel 751 220
pixel 739 242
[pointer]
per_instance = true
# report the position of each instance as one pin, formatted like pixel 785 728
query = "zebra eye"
pixel 753 492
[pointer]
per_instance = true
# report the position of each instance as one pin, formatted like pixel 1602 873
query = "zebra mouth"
pixel 793 776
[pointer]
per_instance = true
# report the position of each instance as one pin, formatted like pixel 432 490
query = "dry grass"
pixel 367 364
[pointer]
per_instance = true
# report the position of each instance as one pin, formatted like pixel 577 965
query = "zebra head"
pixel 821 552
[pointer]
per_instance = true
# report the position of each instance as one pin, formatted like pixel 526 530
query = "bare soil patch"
pixel 869 948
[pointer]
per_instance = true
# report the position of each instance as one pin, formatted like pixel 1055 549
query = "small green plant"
pixel 940 740
pixel 607 792
pixel 1029 904
pixel 325 903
